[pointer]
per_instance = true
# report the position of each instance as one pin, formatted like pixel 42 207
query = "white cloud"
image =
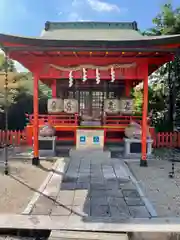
pixel 74 16
pixel 89 10
pixel 101 6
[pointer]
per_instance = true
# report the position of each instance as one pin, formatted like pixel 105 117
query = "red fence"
pixel 161 139
pixel 55 119
pixel 15 138
pixel 166 139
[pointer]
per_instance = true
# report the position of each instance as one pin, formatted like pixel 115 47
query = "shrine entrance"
pixel 91 96
pixel 91 102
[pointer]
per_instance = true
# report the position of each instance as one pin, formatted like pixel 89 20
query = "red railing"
pixel 161 139
pixel 114 120
pixel 166 139
pixel 58 119
pixel 15 138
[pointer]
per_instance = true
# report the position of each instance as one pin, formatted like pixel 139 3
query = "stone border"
pixel 146 201
pixel 44 222
pixel 80 235
pixel 41 189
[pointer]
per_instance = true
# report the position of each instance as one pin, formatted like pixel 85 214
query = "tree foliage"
pixel 164 87
pixel 20 95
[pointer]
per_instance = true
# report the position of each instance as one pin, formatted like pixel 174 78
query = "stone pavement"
pixel 91 184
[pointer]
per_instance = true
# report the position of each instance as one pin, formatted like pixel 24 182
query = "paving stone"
pixel 68 179
pixel 98 186
pixel 79 200
pixel 121 171
pixel 130 193
pixel 43 206
pixel 127 186
pixel 114 193
pixel 81 180
pixel 113 184
pixel 108 172
pixel 97 179
pixel 139 212
pixel 83 185
pixel 99 200
pixel 100 210
pixel 61 210
pixel 134 201
pixel 96 173
pixel 68 186
pixel 65 197
pixel 80 193
pixel 83 210
pixel 97 193
pixel 115 212
pixel 120 202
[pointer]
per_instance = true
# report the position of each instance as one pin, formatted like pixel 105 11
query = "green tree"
pixel 20 95
pixel 167 22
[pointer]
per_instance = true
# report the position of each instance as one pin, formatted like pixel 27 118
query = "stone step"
pixel 81 235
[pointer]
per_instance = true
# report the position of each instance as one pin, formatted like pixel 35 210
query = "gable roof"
pixel 91 31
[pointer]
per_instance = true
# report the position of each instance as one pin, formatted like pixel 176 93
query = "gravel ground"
pixel 17 189
pixel 162 191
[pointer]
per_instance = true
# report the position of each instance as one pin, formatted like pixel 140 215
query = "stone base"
pixel 35 161
pixel 143 163
pixel 47 146
pixel 133 147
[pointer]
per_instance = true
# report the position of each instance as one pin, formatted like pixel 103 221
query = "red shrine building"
pixel 91 68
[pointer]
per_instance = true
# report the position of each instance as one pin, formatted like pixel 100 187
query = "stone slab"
pixel 15 221
pixel 134 201
pixel 130 193
pixel 61 210
pixel 139 212
pixel 87 235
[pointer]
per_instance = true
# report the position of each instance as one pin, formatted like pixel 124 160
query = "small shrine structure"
pixel 91 68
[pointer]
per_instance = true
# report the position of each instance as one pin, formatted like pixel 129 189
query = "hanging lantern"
pixel 70 79
pixel 84 75
pixel 112 75
pixel 97 76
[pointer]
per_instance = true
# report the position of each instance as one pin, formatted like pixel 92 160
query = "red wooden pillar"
pixel 54 88
pixel 35 160
pixel 127 88
pixel 143 161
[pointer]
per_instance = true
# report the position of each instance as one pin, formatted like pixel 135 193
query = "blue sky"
pixel 27 17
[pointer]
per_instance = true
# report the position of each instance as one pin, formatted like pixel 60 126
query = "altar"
pixel 90 139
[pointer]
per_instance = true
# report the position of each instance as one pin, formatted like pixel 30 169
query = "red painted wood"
pixel 144 112
pixel 36 113
pixel 54 88
pixel 31 62
pixel 161 139
pixel 56 119
pixel 15 138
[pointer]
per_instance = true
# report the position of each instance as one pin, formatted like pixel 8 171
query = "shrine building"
pixel 91 68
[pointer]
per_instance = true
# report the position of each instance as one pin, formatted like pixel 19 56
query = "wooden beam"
pixel 143 161
pixel 95 49
pixel 35 160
